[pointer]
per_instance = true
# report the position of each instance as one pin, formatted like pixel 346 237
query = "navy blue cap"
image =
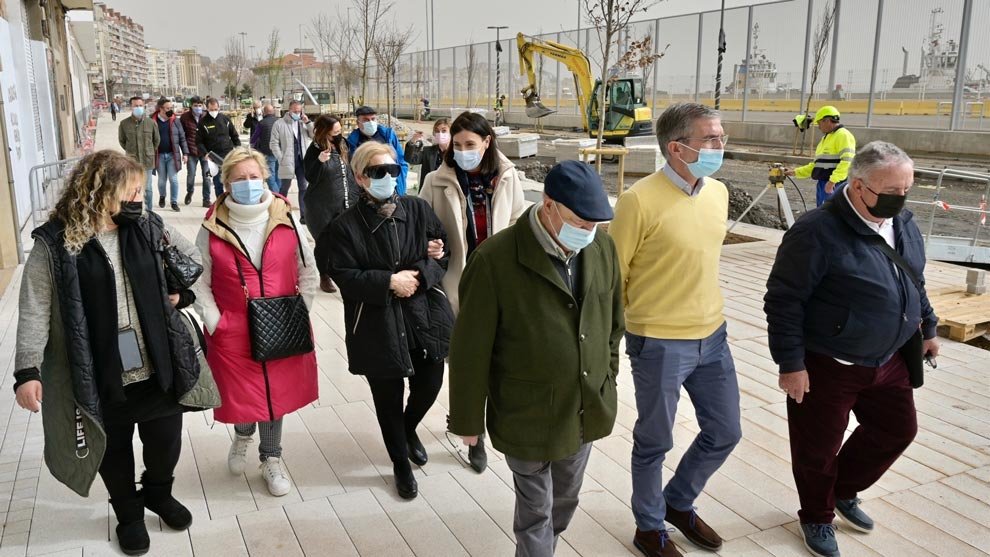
pixel 578 187
pixel 364 111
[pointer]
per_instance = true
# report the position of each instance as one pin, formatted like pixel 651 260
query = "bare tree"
pixel 471 71
pixel 342 47
pixel 387 49
pixel 324 33
pixel 610 19
pixel 823 35
pixel 371 14
pixel 274 62
pixel 233 65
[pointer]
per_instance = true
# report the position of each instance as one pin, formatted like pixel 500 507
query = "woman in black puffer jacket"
pixel 332 188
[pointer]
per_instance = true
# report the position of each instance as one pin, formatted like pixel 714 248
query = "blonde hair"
pixel 367 151
pixel 92 196
pixel 239 155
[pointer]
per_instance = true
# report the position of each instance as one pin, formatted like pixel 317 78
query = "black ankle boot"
pixel 417 452
pixel 405 482
pixel 132 534
pixel 158 499
pixel 477 456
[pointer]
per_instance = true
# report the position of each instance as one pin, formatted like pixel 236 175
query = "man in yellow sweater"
pixel 668 233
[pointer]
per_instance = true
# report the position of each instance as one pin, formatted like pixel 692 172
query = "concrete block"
pixel 976 277
pixel 641 140
pixel 644 159
pixel 518 145
pixel 978 290
pixel 569 149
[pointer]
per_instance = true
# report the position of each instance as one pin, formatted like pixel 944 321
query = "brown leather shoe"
pixel 655 543
pixel 694 529
pixel 327 285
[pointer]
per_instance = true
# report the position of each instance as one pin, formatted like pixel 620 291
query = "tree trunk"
pixel 601 94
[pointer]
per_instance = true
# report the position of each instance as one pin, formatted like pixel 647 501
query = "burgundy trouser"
pixel 824 467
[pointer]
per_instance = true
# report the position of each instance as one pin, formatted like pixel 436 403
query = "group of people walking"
pixel 528 303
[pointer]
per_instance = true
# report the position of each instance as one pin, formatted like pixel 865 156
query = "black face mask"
pixel 169 113
pixel 130 212
pixel 888 205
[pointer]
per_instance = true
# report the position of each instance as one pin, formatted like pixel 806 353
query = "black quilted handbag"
pixel 279 326
pixel 181 271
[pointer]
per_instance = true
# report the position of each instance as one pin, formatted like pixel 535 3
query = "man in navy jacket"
pixel 838 312
pixel 368 129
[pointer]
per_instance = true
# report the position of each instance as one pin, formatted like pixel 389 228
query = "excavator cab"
pixel 622 115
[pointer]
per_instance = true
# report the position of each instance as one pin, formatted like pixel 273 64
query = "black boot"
pixel 405 482
pixel 417 452
pixel 477 456
pixel 132 534
pixel 158 499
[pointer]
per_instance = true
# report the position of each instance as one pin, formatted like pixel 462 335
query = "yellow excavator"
pixel 625 112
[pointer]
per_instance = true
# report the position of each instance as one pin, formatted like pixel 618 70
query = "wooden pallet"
pixel 962 316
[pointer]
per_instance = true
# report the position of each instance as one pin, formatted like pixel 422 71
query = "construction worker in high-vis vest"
pixel 832 156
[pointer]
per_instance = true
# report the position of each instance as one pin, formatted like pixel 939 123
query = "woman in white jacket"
pixel 477 192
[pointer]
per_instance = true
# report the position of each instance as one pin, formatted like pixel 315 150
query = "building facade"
pixel 120 45
pixel 190 71
pixel 163 72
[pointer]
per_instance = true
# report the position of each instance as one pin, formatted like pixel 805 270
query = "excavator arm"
pixel 574 59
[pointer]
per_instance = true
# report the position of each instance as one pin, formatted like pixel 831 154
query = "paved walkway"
pixel 934 501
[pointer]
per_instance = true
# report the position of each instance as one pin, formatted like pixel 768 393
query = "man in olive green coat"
pixel 139 137
pixel 536 349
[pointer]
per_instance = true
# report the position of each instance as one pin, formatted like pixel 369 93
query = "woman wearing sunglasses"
pixel 332 188
pixel 387 256
pixel 477 192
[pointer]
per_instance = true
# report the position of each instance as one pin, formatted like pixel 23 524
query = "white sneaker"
pixel 274 473
pixel 237 457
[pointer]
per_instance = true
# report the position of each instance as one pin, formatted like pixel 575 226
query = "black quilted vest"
pixel 184 371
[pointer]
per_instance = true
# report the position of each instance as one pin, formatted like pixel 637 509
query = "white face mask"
pixel 257 113
pixel 468 160
pixel 214 113
pixel 369 128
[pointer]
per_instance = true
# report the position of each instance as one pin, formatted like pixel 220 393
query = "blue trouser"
pixel 167 171
pixel 148 190
pixel 191 164
pixel 217 185
pixel 821 196
pixel 273 182
pixel 659 369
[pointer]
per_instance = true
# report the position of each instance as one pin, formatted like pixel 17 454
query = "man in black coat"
pixel 216 134
pixel 846 305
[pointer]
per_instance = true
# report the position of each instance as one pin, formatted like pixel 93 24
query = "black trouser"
pixel 396 424
pixel 162 441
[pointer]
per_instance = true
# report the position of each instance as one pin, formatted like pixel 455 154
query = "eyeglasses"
pixel 379 171
pixel 708 142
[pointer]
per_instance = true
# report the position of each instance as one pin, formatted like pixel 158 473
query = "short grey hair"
pixel 676 122
pixel 876 155
pixel 294 103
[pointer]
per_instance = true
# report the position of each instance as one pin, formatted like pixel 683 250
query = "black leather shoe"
pixel 161 202
pixel 417 452
pixel 175 207
pixel 477 457
pixel 405 482
pixel 189 198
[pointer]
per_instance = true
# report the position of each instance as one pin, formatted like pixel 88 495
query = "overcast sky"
pixel 207 25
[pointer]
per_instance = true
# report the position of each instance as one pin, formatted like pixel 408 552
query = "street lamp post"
pixel 498 61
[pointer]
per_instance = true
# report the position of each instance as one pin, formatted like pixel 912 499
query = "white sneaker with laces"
pixel 237 457
pixel 274 473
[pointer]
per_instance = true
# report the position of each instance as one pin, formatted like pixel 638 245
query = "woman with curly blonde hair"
pixel 99 335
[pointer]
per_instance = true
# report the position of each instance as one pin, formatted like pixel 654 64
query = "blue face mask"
pixel 295 116
pixel 198 110
pixel 369 128
pixel 468 160
pixel 247 192
pixel 708 163
pixel 573 238
pixel 382 188
pixel 138 111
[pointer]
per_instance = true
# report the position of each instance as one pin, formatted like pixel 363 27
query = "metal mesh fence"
pixel 908 77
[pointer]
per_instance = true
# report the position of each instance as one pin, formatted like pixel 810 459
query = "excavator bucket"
pixel 535 108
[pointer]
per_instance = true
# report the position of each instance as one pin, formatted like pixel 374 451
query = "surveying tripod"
pixel 775 180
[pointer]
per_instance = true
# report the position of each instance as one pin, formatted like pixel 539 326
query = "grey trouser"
pixel 546 498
